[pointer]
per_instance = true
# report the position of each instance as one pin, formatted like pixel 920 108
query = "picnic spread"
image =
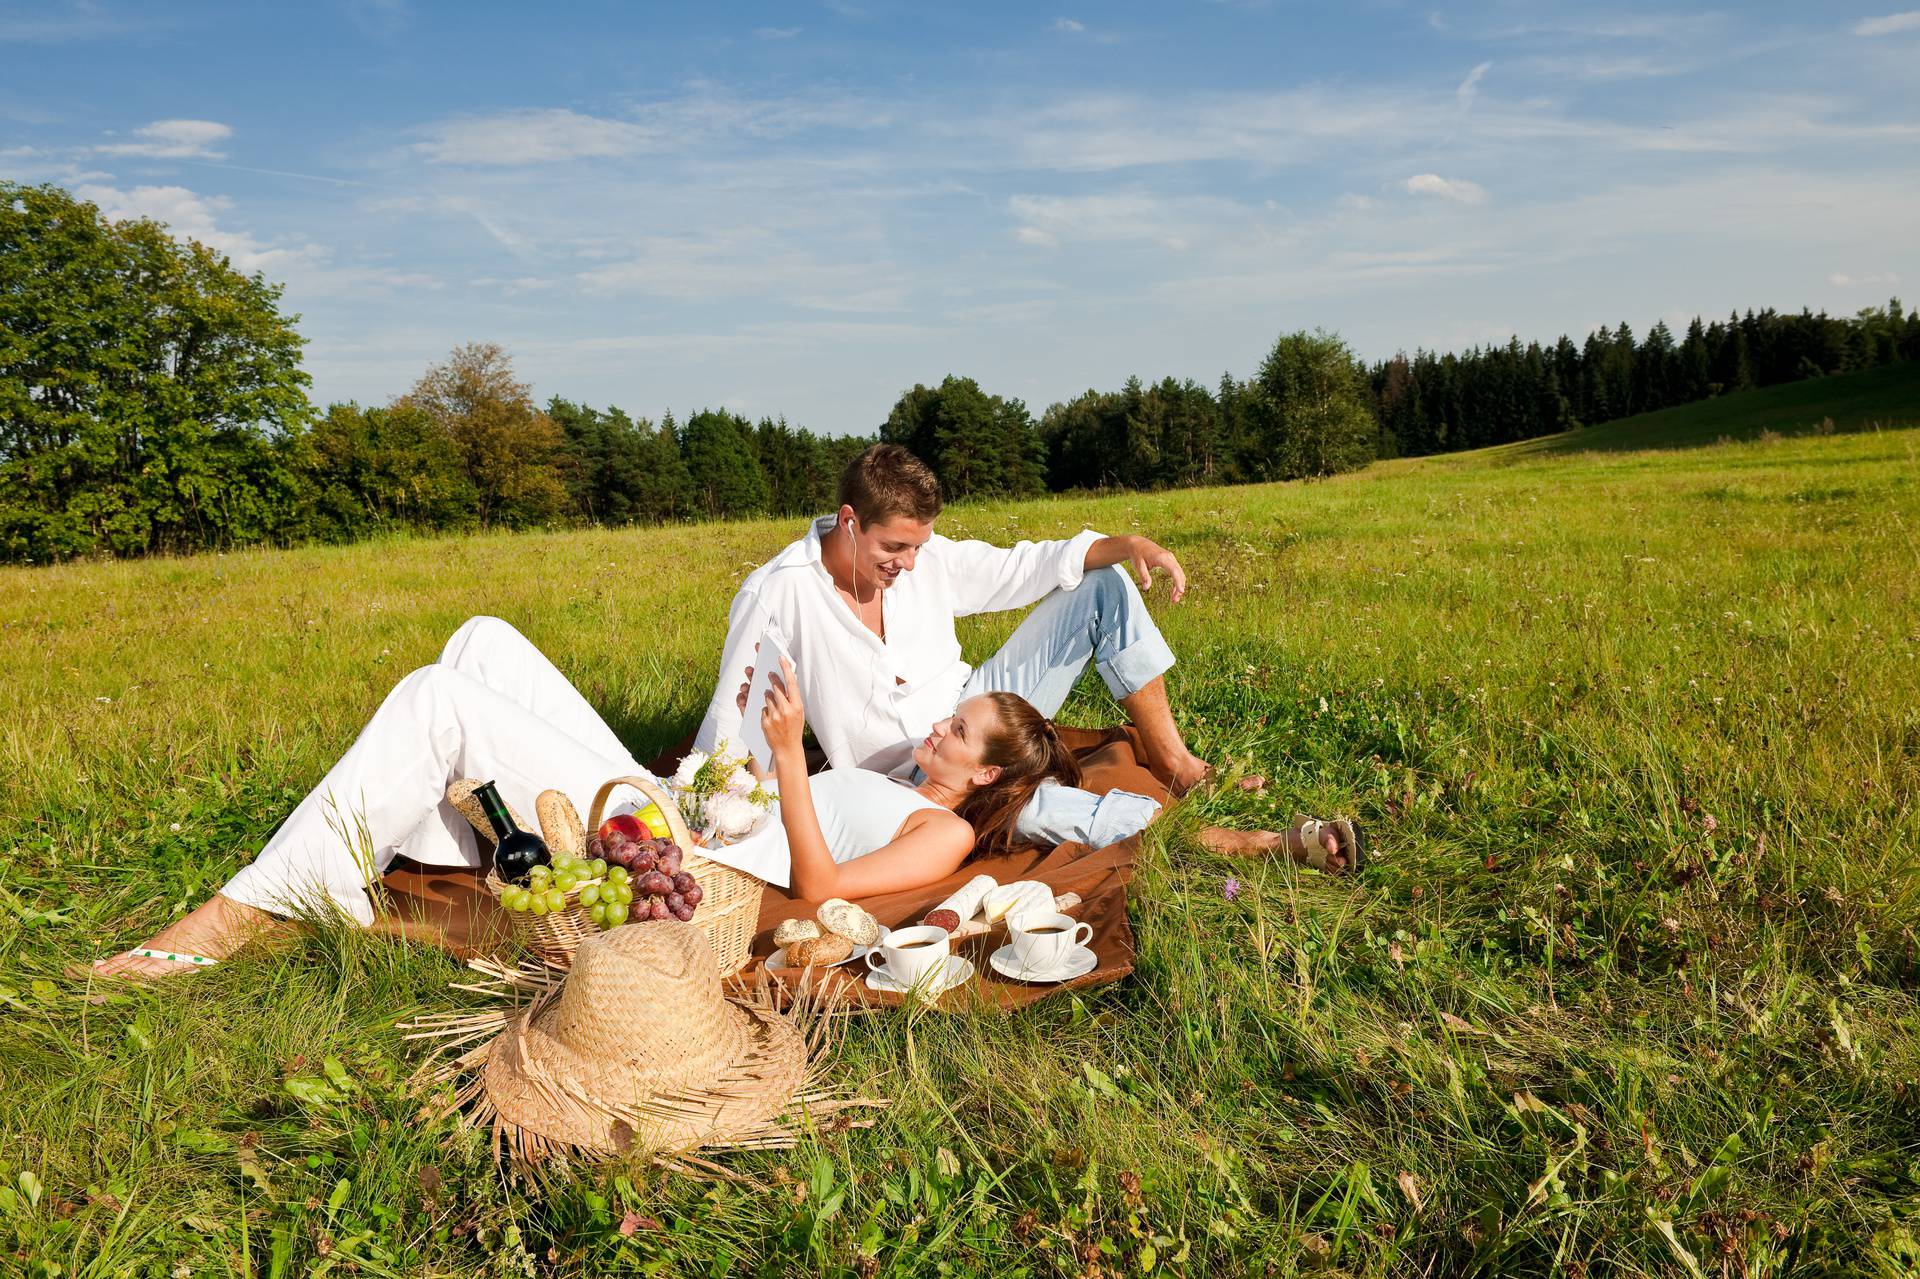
pixel 456 909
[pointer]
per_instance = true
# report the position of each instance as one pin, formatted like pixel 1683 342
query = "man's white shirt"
pixel 870 701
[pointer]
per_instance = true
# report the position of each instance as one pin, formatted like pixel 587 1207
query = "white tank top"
pixel 861 810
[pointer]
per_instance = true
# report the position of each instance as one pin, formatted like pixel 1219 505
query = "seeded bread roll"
pixel 560 824
pixel 795 930
pixel 816 952
pixel 842 917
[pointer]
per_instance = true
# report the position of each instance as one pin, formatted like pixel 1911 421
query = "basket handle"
pixel 653 791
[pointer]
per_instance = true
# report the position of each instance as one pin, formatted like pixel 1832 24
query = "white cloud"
pixel 1890 24
pixel 189 215
pixel 1356 203
pixel 1841 281
pixel 533 135
pixel 1068 26
pixel 777 33
pixel 173 140
pixel 703 115
pixel 1456 189
pixel 746 261
pixel 1470 87
pixel 1130 217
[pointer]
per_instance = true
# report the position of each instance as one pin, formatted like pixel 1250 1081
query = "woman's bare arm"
pixel 930 845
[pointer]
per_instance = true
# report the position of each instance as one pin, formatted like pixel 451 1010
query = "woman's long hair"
pixel 1028 750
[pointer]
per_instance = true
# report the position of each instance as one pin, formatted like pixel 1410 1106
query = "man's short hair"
pixel 884 480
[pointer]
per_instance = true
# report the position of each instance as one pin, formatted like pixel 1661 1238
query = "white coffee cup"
pixel 1043 940
pixel 911 956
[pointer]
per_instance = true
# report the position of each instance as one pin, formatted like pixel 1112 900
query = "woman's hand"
pixel 784 718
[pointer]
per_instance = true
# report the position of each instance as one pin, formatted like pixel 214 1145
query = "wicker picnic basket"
pixel 729 899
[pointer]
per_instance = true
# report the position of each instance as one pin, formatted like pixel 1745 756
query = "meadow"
pixel 1630 988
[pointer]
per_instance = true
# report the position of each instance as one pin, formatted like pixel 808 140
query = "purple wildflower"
pixel 1230 889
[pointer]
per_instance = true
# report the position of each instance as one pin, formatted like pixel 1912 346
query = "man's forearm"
pixel 1109 551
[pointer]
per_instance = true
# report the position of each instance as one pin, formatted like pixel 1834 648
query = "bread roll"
pixel 560 824
pixel 837 915
pixel 795 930
pixel 816 952
pixel 1021 895
pixel 460 795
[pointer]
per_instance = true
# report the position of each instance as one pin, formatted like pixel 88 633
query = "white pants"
pixel 493 708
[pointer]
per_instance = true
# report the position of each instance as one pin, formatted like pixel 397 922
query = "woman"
pixel 854 833
pixel 493 706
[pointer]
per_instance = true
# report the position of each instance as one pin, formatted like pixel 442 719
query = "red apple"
pixel 626 825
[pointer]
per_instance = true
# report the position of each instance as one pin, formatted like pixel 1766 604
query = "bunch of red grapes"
pixel 661 890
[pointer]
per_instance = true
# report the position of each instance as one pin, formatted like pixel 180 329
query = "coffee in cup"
pixel 911 956
pixel 1044 940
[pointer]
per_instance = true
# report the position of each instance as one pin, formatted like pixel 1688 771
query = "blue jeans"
pixel 1103 620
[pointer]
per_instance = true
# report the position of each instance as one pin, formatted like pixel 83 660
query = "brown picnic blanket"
pixel 453 910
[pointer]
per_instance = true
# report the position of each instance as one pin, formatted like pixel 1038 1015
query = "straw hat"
pixel 636 1049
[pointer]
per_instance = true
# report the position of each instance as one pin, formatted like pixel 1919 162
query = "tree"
pixel 508 447
pixel 723 465
pixel 369 469
pixel 978 444
pixel 151 396
pixel 617 470
pixel 1317 419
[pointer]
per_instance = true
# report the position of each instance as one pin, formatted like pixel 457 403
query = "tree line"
pixel 152 400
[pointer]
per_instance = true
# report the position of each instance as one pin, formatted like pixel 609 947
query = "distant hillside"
pixel 1882 397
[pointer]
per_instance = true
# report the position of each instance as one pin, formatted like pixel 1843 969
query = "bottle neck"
pixel 496 810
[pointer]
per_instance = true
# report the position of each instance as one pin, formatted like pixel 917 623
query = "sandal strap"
pixel 1313 852
pixel 177 957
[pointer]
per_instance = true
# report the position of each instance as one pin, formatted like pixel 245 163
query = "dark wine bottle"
pixel 515 852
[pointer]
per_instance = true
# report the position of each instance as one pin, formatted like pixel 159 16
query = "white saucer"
pixel 778 959
pixel 958 971
pixel 1080 962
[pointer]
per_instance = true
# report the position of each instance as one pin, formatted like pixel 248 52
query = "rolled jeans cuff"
pixel 1137 665
pixel 1058 814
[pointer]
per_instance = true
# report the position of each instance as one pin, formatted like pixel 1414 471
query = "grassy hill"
pixel 1878 399
pixel 1629 991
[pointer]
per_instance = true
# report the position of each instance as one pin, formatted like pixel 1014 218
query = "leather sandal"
pixel 1353 843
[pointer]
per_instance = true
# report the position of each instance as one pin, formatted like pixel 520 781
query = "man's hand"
pixel 1148 555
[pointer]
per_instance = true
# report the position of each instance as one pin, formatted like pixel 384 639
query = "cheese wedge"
pixel 1021 895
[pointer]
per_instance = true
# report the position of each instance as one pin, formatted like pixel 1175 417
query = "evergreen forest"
pixel 152 400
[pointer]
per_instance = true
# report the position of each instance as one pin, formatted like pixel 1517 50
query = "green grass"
pixel 1630 989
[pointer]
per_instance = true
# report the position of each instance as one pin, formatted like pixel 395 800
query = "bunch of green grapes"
pixel 605 891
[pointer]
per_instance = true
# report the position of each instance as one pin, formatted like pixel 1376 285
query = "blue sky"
pixel 805 208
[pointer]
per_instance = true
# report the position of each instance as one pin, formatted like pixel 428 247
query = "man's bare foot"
pixel 1256 843
pixel 1187 774
pixel 216 929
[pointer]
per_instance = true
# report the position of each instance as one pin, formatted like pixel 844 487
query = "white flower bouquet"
pixel 718 796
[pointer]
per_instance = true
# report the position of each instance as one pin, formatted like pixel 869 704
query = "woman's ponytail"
pixel 1029 751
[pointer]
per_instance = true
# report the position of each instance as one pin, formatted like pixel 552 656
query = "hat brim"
pixel 537 1084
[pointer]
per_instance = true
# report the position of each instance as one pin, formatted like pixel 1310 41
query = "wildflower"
pixel 1709 825
pixel 1230 889
pixel 730 816
pixel 684 775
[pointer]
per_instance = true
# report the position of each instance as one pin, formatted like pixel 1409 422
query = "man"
pixel 868 600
